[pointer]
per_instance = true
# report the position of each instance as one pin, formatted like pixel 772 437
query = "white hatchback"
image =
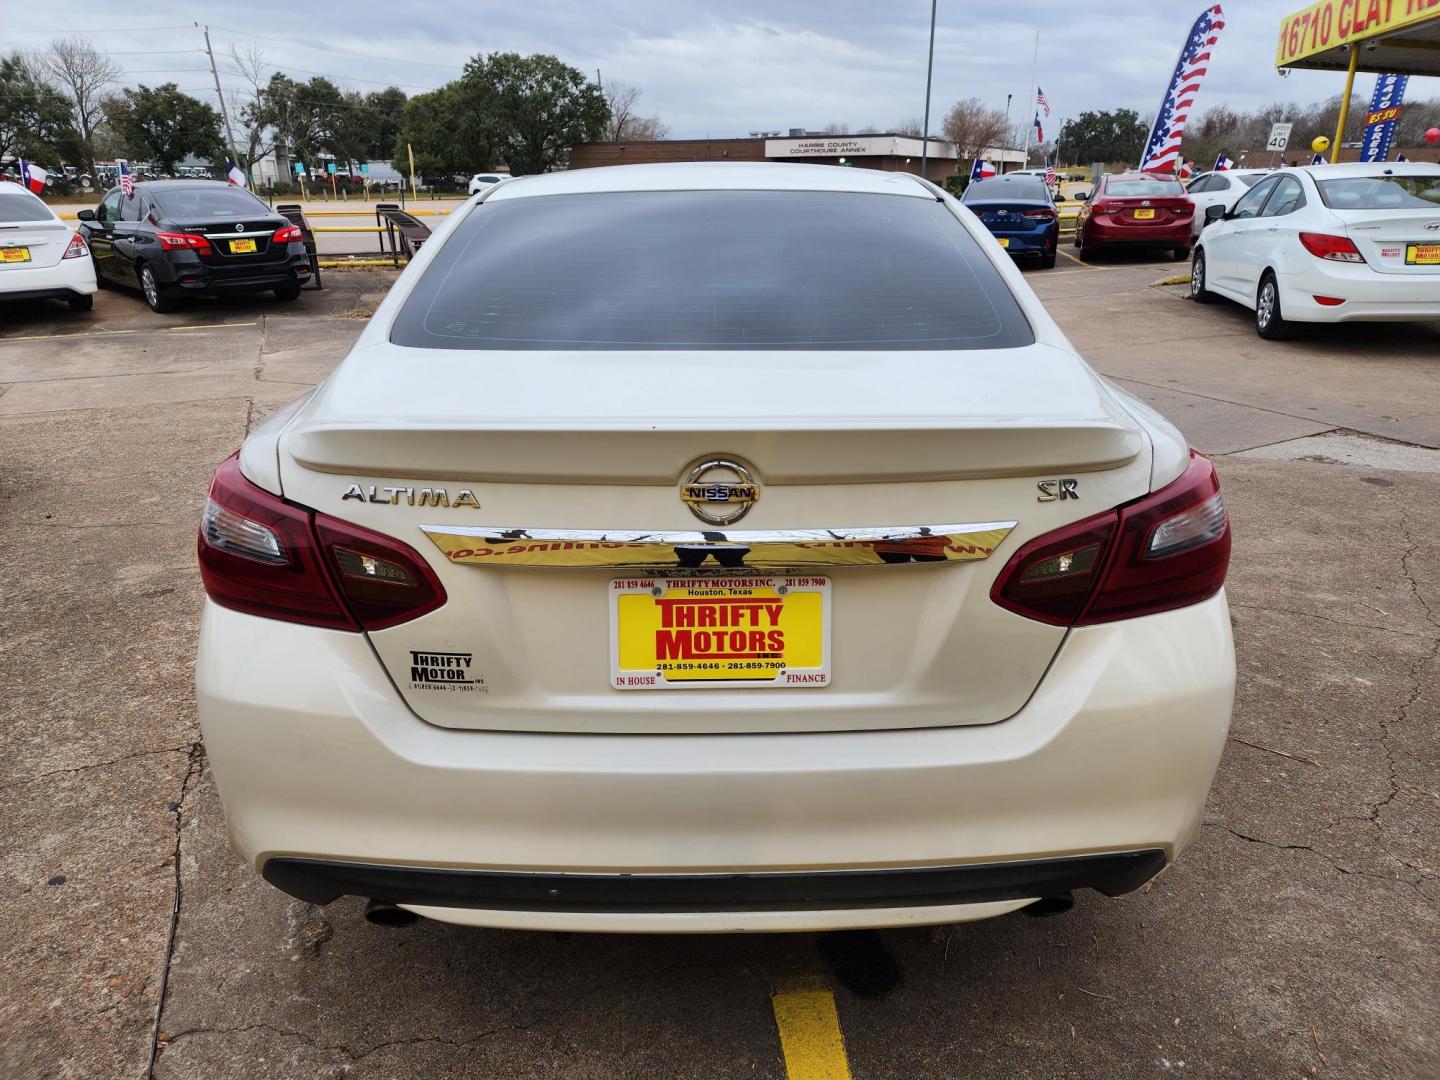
pixel 1325 244
pixel 713 547
pixel 41 258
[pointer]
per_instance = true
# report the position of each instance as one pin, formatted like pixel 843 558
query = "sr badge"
pixel 719 491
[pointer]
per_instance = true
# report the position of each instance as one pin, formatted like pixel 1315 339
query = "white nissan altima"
pixel 713 547
pixel 1326 244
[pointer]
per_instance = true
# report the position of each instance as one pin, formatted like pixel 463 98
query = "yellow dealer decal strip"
pixel 481 545
pixel 1331 23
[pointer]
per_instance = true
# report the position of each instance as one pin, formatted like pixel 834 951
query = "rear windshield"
pixel 221 201
pixel 711 270
pixel 1251 179
pixel 1410 192
pixel 19 206
pixel 992 190
pixel 1123 188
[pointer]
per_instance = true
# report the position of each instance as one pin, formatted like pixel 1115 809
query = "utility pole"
pixel 929 70
pixel 224 113
pixel 1006 147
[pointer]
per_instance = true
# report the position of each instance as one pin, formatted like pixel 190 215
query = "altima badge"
pixel 719 491
pixel 409 495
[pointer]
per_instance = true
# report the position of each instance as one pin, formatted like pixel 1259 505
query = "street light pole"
pixel 929 70
pixel 1006 148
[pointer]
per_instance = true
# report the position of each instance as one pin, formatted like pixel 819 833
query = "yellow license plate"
pixel 1144 215
pixel 14 254
pixel 1004 241
pixel 1422 254
pixel 241 247
pixel 690 633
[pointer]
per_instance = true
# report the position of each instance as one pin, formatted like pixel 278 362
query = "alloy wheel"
pixel 147 283
pixel 1265 306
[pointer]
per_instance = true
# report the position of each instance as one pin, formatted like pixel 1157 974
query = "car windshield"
pixel 992 190
pixel 1123 188
pixel 711 270
pixel 20 206
pixel 1409 192
pixel 220 201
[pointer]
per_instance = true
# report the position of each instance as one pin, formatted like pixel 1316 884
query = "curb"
pixel 1178 279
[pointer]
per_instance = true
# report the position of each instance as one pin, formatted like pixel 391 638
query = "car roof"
pixel 188 183
pixel 1137 175
pixel 1368 168
pixel 714 176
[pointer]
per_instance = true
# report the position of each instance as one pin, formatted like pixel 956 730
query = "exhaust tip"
pixel 1048 906
pixel 380 913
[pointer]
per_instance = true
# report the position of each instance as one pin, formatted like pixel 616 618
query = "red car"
pixel 1128 209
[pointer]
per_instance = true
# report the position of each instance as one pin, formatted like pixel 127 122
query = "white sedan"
pixel 1325 244
pixel 41 258
pixel 1220 188
pixel 713 547
pixel 481 181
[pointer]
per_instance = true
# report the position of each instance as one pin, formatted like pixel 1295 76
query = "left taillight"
pixel 265 556
pixel 183 241
pixel 287 234
pixel 76 248
pixel 1167 550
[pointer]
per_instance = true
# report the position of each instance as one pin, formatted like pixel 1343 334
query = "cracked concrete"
pixel 1296 937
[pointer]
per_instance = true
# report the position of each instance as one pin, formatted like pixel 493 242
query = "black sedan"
pixel 1021 214
pixel 173 237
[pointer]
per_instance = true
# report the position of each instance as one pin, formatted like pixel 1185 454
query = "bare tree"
pixel 85 75
pixel 973 127
pixel 625 124
pixel 835 128
pixel 914 127
pixel 257 137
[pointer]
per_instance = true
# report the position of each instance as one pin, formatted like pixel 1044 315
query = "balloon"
pixel 1433 135
pixel 1321 144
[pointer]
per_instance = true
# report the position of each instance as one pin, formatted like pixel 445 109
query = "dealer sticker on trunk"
pixel 686 633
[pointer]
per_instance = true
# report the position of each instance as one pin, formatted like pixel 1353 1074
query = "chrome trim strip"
pixel 489 545
pixel 238 235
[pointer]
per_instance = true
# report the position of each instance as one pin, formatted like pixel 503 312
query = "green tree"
pixel 35 118
pixel 534 108
pixel 448 130
pixel 163 125
pixel 1117 135
pixel 305 116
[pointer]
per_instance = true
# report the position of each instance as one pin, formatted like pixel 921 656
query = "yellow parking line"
pixel 206 326
pixel 51 337
pixel 809 1029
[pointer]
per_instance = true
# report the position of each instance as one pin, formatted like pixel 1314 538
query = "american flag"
pixel 1042 101
pixel 127 182
pixel 1163 149
pixel 1049 174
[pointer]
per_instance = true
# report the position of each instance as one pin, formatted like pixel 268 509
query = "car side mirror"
pixel 1214 213
pixel 1082 197
pixel 1059 198
pixel 86 215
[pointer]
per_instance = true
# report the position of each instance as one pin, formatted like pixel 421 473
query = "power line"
pixel 115 30
pixel 344 52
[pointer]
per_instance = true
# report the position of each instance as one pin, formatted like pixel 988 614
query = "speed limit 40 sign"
pixel 1279 137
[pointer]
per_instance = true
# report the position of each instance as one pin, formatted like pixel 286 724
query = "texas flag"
pixel 33 176
pixel 233 174
pixel 1222 163
pixel 982 170
pixel 1318 159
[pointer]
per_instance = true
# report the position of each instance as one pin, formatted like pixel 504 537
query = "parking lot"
pixel 1296 937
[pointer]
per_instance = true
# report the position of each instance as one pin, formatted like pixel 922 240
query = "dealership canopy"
pixel 1399 37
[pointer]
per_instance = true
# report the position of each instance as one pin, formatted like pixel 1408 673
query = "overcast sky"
pixel 719 70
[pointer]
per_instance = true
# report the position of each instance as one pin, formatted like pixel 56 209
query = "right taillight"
pixel 1167 550
pixel 264 556
pixel 1334 248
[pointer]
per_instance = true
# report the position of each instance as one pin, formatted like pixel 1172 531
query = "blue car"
pixel 1021 214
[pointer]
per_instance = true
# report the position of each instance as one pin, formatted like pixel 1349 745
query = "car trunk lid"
pixel 1396 241
pixel 32 244
pixel 463 455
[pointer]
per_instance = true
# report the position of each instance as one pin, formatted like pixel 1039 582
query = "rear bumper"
pixel 1369 296
pixel 189 274
pixel 1173 234
pixel 317 758
pixel 66 279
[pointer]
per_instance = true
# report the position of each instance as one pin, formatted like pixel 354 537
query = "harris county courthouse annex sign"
pixel 854 146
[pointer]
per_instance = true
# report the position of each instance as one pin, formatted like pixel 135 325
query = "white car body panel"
pixel 955 731
pixel 1239 251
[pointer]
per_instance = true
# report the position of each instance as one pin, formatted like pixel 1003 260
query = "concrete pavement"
pixel 1297 936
